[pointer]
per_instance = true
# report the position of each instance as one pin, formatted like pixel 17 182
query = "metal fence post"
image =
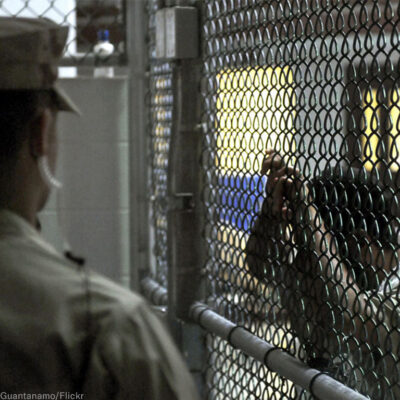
pixel 185 245
pixel 137 53
pixel 184 216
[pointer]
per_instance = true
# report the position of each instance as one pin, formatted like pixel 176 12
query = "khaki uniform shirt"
pixel 64 330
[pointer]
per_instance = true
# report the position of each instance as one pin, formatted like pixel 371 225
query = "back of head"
pixel 30 49
pixel 352 200
pixel 18 109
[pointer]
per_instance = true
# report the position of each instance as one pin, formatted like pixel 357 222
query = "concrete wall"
pixel 92 209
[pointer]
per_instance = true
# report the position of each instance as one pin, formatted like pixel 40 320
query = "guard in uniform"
pixel 64 331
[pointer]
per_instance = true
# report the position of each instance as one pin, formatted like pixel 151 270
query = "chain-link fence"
pixel 89 23
pixel 302 241
pixel 309 263
pixel 160 102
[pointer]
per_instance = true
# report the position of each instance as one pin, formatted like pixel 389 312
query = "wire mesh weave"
pixel 308 262
pixel 160 126
pixel 85 19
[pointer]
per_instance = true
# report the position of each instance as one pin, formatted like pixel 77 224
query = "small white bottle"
pixel 102 50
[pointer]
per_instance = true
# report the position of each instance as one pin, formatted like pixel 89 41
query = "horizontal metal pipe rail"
pixel 154 292
pixel 316 382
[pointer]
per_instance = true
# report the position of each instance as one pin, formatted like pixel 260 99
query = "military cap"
pixel 30 49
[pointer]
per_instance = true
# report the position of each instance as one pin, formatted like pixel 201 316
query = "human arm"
pixel 267 247
pixel 333 299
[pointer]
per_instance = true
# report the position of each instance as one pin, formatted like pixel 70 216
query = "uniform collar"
pixel 12 223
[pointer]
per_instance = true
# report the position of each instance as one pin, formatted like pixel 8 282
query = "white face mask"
pixel 46 174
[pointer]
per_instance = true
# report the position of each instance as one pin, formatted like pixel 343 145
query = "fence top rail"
pixel 154 292
pixel 316 382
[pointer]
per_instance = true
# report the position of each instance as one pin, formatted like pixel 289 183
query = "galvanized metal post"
pixel 139 214
pixel 178 41
pixel 184 217
pixel 185 246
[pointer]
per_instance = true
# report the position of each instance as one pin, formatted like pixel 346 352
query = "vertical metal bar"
pixel 184 217
pixel 185 252
pixel 139 214
pixel 185 245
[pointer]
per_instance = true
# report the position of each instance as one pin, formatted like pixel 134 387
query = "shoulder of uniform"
pixel 107 296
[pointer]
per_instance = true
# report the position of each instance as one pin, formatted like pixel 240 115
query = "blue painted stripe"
pixel 240 198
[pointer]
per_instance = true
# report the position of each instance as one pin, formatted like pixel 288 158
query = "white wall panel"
pixel 92 209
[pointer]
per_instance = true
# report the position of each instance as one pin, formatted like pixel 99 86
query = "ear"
pixel 40 133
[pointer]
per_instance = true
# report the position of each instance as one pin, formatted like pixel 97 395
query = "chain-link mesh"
pixel 160 126
pixel 86 20
pixel 303 240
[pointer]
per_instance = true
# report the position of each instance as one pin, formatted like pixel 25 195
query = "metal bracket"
pixel 177 33
pixel 181 201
